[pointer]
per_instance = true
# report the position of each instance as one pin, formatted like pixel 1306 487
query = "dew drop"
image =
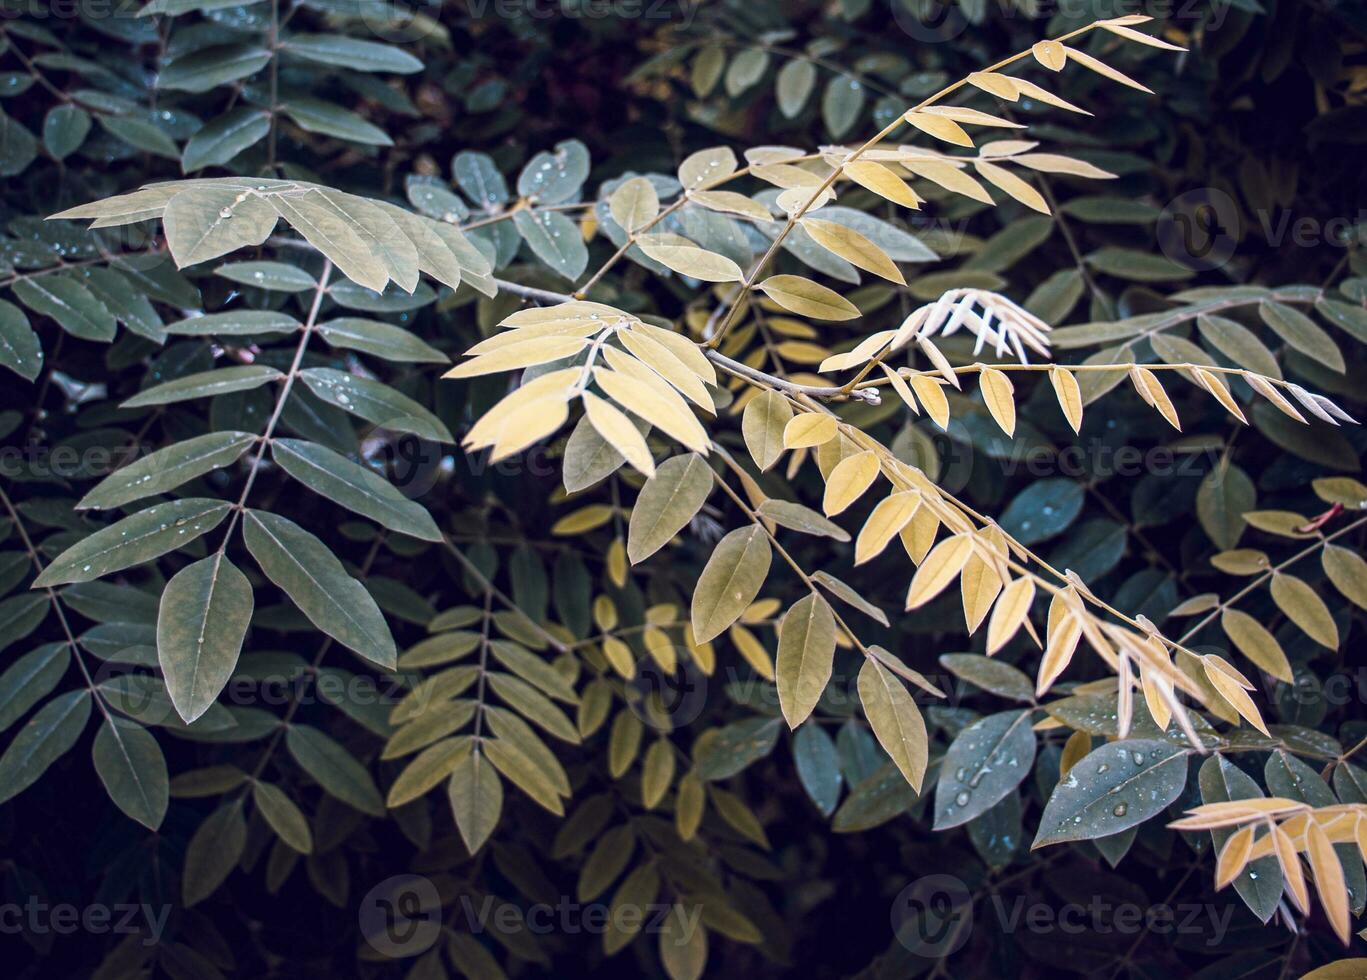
pixel 1120 809
pixel 962 798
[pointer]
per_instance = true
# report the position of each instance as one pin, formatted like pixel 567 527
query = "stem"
pixel 280 400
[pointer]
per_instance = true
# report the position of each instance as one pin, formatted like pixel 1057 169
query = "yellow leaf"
pixel 1058 652
pixel 1087 61
pixel 806 648
pixel 671 415
pixel 1292 874
pixel 853 247
pixel 919 535
pixel 619 432
pixel 883 182
pixel 950 177
pixel 617 562
pixel 807 298
pixel 895 720
pixel 753 651
pixel 980 584
pixel 689 259
pixel 932 396
pixel 1231 691
pixel 1256 643
pixel 1009 183
pixel 529 423
pixel 732 202
pixel 1077 747
pixel 1234 856
pixel 995 83
pixel 763 426
pixel 809 429
pixel 582 520
pixel 848 481
pixel 1151 390
pixel 1305 608
pixel 1069 395
pixel 940 567
pixel 1329 882
pixel 887 520
pixel 532 352
pixel 1050 54
pixel 998 395
pixel 619 655
pixel 663 362
pixel 1347 571
pixel 939 127
pixel 1010 613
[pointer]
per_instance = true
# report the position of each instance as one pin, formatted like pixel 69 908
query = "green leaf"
pixel 313 217
pixel 20 616
pixel 205 384
pixel 524 772
pixel 133 770
pixel 991 675
pixel 213 852
pixel 207 68
pixel 1259 884
pixel 1226 493
pixel 380 339
pixel 553 177
pixel 1238 343
pixel 763 423
pixel 354 487
pixel 138 538
pixel 1118 786
pixel 20 349
pixel 335 769
pixel 203 223
pixel 225 137
pixel 895 720
pixel 1302 333
pixel 476 796
pixel 235 323
pixel 205 611
pixel 29 679
pixel 285 818
pixel 637 892
pixel 275 276
pixel 720 753
pixel 806 650
pixel 129 304
pixel 667 503
pixel 375 402
pixel 555 240
pixel 841 104
pixel 1042 510
pixel 429 767
pixel 310 574
pixel 47 736
pixel 18 148
pixel 67 301
pixel 794 85
pixel 65 128
pixel 167 469
pixel 316 116
pixel 983 764
pixel 141 134
pixel 804 520
pixel 818 767
pixel 730 581
pixel 351 53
